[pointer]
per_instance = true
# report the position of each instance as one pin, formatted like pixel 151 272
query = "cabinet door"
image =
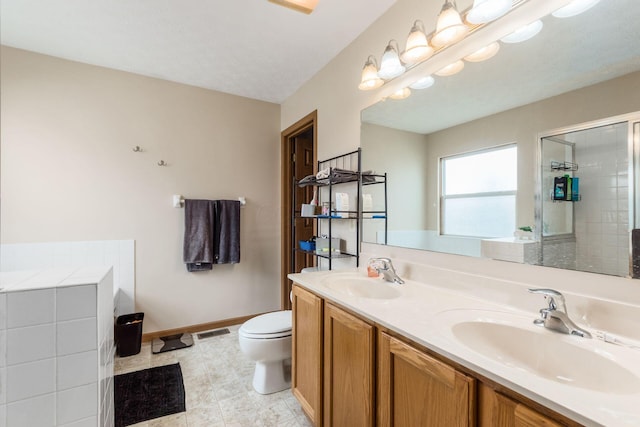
pixel 348 369
pixel 497 410
pixel 417 390
pixel 306 354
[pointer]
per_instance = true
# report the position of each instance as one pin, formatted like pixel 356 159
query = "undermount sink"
pixel 361 286
pixel 514 341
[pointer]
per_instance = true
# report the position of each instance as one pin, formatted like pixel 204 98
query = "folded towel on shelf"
pixel 197 251
pixel 324 173
pixel 342 175
pixel 226 243
pixel 336 176
pixel 307 180
pixel 367 177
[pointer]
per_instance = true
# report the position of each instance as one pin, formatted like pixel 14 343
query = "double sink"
pixel 509 338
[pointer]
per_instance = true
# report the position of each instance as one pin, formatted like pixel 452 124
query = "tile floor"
pixel 217 380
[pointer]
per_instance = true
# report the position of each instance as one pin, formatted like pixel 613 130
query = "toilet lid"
pixel 269 325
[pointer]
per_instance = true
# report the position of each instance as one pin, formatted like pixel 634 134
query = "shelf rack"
pixel 348 162
pixel 563 166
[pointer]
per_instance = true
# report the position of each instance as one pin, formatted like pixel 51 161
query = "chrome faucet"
pixel 555 316
pixel 385 266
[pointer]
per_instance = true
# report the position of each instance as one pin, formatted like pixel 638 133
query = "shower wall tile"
pixel 87 422
pixel 602 217
pixel 30 308
pixel 3 386
pixel 3 310
pixel 75 302
pixel 27 380
pixel 76 370
pixel 30 343
pixel 76 336
pixel 36 411
pixel 50 369
pixel 76 403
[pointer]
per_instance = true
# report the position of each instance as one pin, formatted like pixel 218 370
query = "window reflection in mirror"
pixel 483 183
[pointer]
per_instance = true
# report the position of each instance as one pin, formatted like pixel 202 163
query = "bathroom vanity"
pixel 367 352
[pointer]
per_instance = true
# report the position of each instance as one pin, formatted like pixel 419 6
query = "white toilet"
pixel 267 340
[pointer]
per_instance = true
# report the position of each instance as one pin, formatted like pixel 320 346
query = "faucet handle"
pixel 380 264
pixel 552 296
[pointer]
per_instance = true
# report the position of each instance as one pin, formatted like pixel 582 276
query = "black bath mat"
pixel 148 394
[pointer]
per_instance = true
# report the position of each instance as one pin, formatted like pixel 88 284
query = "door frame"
pixel 302 125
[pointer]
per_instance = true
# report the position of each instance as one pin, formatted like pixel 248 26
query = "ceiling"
pixel 568 54
pixel 251 48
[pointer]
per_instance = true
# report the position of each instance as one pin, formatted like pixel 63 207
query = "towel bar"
pixel 178 201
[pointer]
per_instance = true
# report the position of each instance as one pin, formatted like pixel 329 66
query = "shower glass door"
pixel 585 198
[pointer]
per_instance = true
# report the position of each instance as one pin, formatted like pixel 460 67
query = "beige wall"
pixel 401 155
pixel 68 173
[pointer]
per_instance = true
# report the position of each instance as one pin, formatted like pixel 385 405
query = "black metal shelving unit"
pixel 346 162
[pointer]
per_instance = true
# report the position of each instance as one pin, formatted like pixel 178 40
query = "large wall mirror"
pixel 469 159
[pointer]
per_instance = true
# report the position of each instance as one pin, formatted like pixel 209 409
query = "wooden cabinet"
pixel 498 410
pixel 415 389
pixel 348 369
pixel 306 353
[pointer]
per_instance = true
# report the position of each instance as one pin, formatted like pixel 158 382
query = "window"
pixel 478 195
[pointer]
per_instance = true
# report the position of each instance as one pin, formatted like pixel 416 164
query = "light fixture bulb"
pixel 401 93
pixel 449 28
pixel 417 48
pixel 483 54
pixel 390 65
pixel 484 11
pixel 524 33
pixel 574 8
pixel 451 69
pixel 423 83
pixel 304 6
pixel 370 79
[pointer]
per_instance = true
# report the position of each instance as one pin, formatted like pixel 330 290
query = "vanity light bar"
pixel 419 50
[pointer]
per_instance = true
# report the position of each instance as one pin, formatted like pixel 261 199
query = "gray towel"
pixel 227 235
pixel 211 233
pixel 199 229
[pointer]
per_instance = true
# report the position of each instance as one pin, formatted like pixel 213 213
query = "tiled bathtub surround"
pixel 56 341
pixel 217 379
pixel 120 254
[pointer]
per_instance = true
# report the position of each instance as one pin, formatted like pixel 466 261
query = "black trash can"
pixel 128 334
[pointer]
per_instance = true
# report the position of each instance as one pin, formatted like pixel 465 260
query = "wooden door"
pixel 497 410
pixel 349 371
pixel 298 157
pixel 306 355
pixel 416 390
pixel 303 165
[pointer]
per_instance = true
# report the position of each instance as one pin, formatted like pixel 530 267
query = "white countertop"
pixel 421 311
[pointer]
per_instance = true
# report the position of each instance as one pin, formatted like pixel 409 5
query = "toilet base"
pixel 271 377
